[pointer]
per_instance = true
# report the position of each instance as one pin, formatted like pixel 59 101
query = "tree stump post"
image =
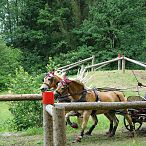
pixel 59 127
pixel 48 127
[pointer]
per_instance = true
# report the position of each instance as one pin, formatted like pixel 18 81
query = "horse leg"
pixel 94 118
pixel 129 120
pixel 67 118
pixel 86 115
pixel 111 123
pixel 116 122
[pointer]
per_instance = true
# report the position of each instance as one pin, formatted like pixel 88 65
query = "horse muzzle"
pixel 44 88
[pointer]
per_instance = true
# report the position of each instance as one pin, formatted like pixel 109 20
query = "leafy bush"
pixel 27 114
pixel 9 61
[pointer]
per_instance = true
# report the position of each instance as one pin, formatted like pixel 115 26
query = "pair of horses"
pixel 75 91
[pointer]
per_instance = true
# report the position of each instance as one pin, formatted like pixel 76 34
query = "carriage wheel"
pixel 137 125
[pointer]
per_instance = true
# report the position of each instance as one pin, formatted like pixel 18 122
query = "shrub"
pixel 9 61
pixel 27 114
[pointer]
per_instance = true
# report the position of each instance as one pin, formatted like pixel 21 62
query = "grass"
pixel 5 116
pixel 113 79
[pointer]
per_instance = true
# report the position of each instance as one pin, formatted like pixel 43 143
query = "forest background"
pixel 39 35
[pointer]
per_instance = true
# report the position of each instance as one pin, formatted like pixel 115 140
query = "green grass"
pixel 5 116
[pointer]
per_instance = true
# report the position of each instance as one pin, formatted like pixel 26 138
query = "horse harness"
pixel 66 98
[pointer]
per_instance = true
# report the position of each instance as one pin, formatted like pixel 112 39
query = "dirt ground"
pixel 98 138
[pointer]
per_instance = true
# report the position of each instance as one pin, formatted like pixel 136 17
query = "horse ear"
pixel 64 76
pixel 66 79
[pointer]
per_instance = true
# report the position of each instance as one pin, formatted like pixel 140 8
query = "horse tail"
pixel 120 96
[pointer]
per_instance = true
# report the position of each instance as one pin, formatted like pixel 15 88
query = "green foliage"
pixel 73 56
pixel 59 29
pixel 26 113
pixel 32 62
pixel 51 65
pixel 9 60
pixel 113 26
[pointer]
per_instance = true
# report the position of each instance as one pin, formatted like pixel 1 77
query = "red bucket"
pixel 48 97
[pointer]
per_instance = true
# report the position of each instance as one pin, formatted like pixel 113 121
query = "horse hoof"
pixel 74 125
pixel 110 135
pixel 87 133
pixel 132 134
pixel 78 139
pixel 107 133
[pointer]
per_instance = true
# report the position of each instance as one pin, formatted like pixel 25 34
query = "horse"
pixel 78 93
pixel 50 81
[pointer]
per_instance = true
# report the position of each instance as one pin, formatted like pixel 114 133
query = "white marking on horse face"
pixel 60 87
pixel 47 80
pixel 44 86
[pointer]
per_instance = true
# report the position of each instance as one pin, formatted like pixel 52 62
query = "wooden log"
pixel 123 65
pixel 49 109
pixel 75 64
pixel 105 62
pixel 59 134
pixel 101 66
pixel 93 60
pixel 20 97
pixel 101 105
pixel 136 62
pixel 48 128
pixel 119 64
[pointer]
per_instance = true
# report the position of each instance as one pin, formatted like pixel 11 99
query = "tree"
pixel 113 27
pixel 9 60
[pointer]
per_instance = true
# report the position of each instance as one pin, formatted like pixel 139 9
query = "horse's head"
pixel 50 81
pixel 72 87
pixel 62 88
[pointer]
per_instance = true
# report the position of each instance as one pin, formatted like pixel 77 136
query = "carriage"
pixel 138 115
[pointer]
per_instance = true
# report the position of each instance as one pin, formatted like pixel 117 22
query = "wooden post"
pixel 123 65
pixel 48 128
pixel 119 64
pixel 59 134
pixel 93 60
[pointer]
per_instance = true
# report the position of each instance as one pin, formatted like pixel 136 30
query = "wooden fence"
pixel 72 65
pixel 54 115
pixel 121 63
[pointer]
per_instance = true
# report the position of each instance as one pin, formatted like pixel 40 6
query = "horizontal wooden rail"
pixel 101 105
pixel 134 61
pixel 20 97
pixel 102 63
pixel 76 63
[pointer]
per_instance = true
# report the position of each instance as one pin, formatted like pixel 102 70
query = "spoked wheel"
pixel 137 125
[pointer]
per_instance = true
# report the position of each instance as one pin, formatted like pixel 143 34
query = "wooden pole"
pixel 119 62
pixel 93 61
pixel 59 131
pixel 136 62
pixel 101 105
pixel 105 62
pixel 48 128
pixel 74 64
pixel 123 65
pixel 20 97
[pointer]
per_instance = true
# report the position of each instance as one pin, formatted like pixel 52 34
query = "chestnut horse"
pixel 50 81
pixel 78 93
